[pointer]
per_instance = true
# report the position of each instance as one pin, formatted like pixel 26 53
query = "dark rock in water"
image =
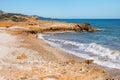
pixel 84 28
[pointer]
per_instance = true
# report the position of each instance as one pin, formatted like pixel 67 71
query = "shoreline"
pixel 64 64
pixel 56 63
pixel 24 56
pixel 114 72
pixel 41 36
pixel 33 58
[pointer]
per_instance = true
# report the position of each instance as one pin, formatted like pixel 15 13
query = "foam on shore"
pixel 100 54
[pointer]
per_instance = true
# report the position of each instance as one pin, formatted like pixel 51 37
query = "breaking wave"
pixel 102 55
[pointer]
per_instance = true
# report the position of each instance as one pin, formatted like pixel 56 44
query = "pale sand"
pixel 25 57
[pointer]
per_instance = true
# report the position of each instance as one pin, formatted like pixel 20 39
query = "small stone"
pixel 88 61
pixel 23 56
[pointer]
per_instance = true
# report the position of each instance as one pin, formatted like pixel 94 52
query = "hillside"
pixel 15 17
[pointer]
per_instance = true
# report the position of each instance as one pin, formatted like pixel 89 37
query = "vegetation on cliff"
pixel 12 17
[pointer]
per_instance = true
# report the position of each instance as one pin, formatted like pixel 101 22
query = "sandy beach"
pixel 60 40
pixel 25 57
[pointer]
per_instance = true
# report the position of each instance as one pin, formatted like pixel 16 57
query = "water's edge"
pixel 103 61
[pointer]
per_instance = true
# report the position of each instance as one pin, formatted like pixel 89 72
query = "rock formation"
pixel 11 19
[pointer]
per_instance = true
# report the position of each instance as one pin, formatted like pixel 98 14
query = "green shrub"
pixel 17 19
pixel 11 17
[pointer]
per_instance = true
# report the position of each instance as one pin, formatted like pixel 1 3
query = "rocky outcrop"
pixel 68 27
pixel 84 28
pixel 46 26
pixel 11 19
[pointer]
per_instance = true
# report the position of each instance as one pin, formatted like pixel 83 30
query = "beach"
pixel 60 40
pixel 25 56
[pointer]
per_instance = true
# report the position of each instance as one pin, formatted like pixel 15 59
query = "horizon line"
pixel 55 17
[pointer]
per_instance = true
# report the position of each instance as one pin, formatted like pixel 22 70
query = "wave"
pixel 40 36
pixel 101 54
pixel 101 29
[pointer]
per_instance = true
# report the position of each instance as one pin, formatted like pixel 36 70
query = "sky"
pixel 83 9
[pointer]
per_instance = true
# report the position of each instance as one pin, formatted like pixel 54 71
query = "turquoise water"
pixel 103 47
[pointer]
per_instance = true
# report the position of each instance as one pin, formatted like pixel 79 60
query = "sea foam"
pixel 102 55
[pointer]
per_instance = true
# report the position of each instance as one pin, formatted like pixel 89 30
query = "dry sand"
pixel 25 57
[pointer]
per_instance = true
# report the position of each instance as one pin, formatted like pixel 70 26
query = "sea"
pixel 103 47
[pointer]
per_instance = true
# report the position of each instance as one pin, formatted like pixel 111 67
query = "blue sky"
pixel 64 8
